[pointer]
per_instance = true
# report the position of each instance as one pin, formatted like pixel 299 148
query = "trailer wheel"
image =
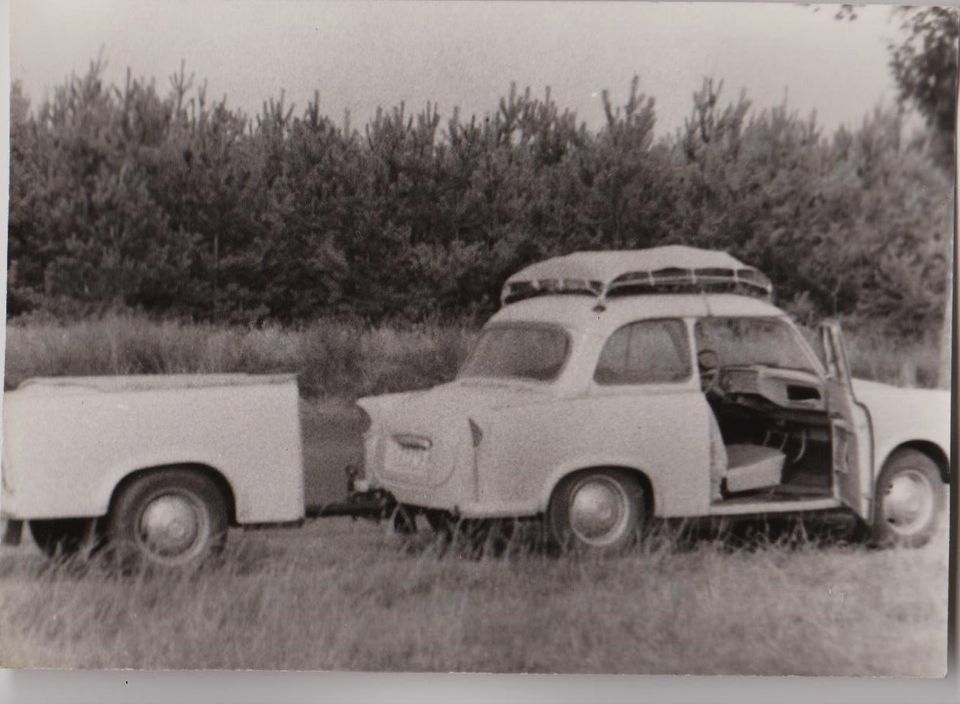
pixel 63 538
pixel 173 517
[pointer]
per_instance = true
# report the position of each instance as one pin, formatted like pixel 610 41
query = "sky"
pixel 359 55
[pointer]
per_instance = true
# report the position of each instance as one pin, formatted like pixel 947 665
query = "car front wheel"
pixel 909 499
pixel 596 510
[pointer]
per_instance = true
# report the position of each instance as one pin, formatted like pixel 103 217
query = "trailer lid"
pixel 149 382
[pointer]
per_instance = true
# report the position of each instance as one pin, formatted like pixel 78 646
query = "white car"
pixel 613 387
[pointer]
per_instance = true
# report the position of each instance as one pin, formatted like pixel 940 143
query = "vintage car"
pixel 615 387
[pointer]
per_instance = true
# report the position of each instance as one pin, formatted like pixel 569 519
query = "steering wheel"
pixel 710 369
pixel 710 383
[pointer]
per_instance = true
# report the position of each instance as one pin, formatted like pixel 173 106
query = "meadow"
pixel 351 595
pixel 340 595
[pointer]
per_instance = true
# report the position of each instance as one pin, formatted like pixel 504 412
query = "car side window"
pixel 645 352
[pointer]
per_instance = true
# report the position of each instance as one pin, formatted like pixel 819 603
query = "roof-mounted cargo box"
pixel 670 269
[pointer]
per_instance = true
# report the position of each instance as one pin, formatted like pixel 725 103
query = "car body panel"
pixel 901 415
pixel 526 448
pixel 852 455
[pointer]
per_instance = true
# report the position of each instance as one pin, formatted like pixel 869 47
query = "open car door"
pixel 850 427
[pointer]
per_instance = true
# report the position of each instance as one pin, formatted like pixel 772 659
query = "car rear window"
pixel 533 352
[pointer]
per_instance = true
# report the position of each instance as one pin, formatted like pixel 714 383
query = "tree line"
pixel 171 203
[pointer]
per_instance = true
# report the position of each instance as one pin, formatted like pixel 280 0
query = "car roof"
pixel 580 312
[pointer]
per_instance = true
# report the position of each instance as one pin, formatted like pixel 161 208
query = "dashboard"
pixel 783 388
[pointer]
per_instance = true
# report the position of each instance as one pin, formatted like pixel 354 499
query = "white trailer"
pixel 158 466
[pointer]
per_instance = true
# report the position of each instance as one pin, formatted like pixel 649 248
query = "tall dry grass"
pixel 348 596
pixel 332 358
pixel 899 361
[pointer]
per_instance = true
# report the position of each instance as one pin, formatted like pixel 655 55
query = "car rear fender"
pixel 621 463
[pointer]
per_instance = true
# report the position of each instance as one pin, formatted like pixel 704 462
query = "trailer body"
pixel 71 444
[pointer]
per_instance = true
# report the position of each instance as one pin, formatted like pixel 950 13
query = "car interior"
pixel 771 435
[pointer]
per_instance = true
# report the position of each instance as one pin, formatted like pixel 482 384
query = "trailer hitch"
pixel 376 504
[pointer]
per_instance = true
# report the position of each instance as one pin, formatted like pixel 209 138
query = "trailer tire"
pixel 168 518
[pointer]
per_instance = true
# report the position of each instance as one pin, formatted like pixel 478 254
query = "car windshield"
pixel 532 352
pixel 770 342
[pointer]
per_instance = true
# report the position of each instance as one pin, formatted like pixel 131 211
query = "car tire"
pixel 168 518
pixel 65 537
pixel 597 511
pixel 909 500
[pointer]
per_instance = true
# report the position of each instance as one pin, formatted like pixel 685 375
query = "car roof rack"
pixel 670 269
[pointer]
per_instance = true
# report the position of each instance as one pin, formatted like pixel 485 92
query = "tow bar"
pixel 375 504
pixel 361 501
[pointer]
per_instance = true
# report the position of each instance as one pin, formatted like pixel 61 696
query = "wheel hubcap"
pixel 599 511
pixel 907 502
pixel 170 525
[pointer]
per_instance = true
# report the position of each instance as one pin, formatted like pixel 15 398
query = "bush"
pixel 125 198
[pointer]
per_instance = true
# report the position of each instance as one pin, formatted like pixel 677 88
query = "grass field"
pixel 344 595
pixel 339 594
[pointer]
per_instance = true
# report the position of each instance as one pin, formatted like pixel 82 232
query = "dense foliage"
pixel 924 66
pixel 126 197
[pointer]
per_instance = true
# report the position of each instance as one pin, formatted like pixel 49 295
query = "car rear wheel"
pixel 597 510
pixel 168 518
pixel 909 500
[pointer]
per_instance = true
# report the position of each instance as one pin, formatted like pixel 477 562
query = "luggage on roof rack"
pixel 670 269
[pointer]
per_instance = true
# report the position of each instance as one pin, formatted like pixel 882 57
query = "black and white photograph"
pixel 479 337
